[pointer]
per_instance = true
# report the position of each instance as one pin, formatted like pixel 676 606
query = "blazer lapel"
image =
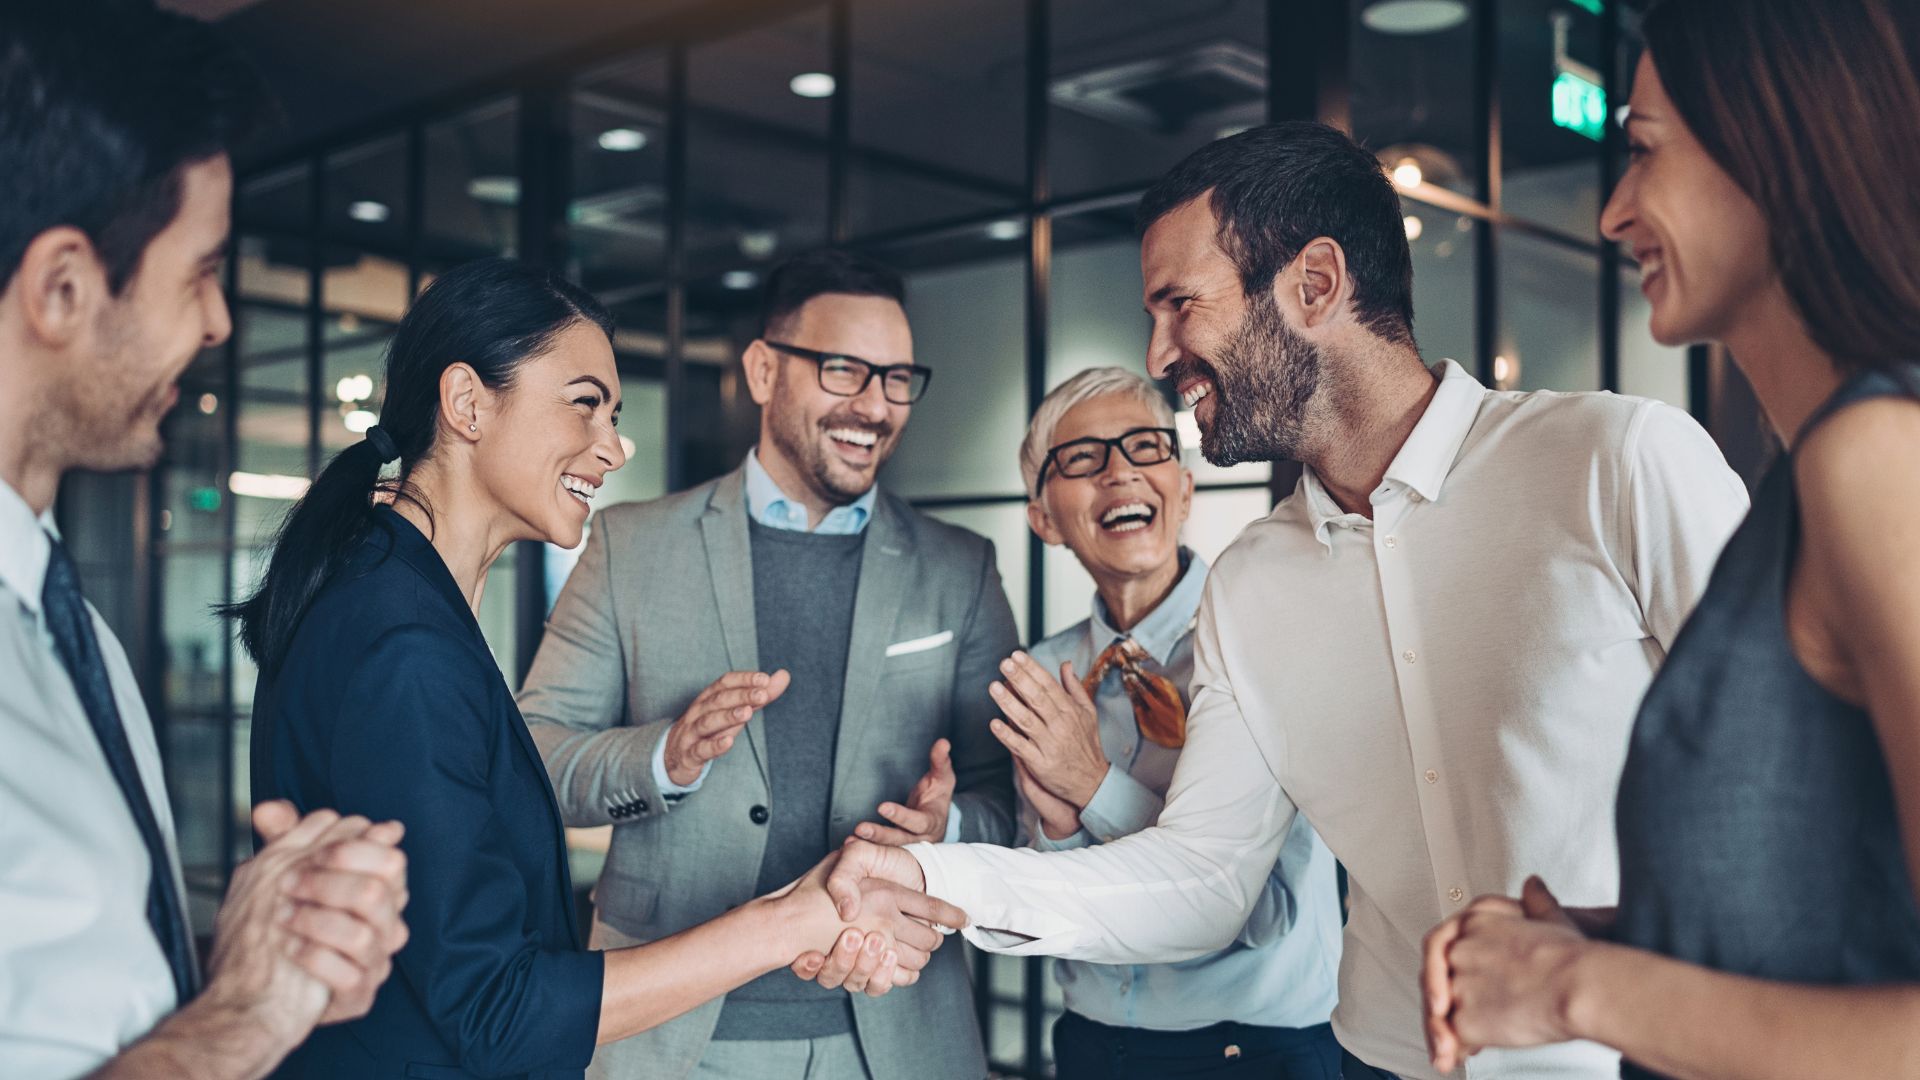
pixel 885 577
pixel 730 566
pixel 417 552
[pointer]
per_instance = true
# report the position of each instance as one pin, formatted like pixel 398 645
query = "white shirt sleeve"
pixel 1178 890
pixel 665 783
pixel 1683 502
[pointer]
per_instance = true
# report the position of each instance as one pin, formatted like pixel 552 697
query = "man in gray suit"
pixel 853 640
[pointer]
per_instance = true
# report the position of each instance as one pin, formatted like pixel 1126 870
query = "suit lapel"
pixel 730 566
pixel 885 577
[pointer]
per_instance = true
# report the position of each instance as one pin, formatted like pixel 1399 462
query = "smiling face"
pixel 1123 522
pixel 1248 376
pixel 551 443
pixel 832 446
pixel 123 376
pixel 1701 242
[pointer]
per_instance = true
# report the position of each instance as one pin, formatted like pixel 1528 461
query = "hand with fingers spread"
pixel 1050 726
pixel 924 818
pixel 885 944
pixel 709 726
pixel 1500 973
pixel 348 893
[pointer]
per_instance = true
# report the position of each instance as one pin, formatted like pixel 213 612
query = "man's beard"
pixel 802 444
pixel 1263 380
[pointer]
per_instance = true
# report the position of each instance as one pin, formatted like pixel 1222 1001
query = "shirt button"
pixel 1392 542
pixel 758 815
pixel 1454 894
pixel 1432 777
pixel 1408 656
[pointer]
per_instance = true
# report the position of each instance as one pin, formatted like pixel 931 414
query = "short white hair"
pixel 1092 383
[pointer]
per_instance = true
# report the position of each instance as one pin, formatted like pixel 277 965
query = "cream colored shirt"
pixel 1445 691
pixel 81 973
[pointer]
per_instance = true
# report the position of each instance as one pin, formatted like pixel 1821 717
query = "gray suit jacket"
pixel 659 606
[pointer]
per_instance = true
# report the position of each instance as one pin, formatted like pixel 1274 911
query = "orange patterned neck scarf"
pixel 1157 706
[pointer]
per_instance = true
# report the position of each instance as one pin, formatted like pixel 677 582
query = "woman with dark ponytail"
pixel 1769 812
pixel 378 696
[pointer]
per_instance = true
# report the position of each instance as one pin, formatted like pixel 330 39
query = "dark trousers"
pixel 1352 1068
pixel 1085 1050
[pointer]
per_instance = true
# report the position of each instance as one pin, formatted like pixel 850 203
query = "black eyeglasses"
pixel 848 376
pixel 1088 457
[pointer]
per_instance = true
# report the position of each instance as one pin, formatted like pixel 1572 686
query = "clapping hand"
pixel 924 818
pixel 325 891
pixel 1051 727
pixel 713 721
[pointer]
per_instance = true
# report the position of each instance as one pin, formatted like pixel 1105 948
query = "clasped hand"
pixel 1501 973
pixel 889 927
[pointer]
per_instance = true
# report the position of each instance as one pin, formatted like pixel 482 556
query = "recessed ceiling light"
pixel 359 420
pixel 622 140
pixel 739 279
pixel 758 243
pixel 501 190
pixel 627 447
pixel 812 84
pixel 369 211
pixel 1413 16
pixel 1407 174
pixel 1006 229
pixel 1414 227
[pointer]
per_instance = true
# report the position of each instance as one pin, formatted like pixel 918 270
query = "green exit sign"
pixel 1580 106
pixel 1590 5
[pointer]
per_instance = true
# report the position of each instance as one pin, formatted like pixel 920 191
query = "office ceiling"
pixel 338 63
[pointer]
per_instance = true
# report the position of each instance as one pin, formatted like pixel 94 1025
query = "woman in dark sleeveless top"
pixel 1769 815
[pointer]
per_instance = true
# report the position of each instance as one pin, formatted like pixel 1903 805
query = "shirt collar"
pixel 1425 459
pixel 1163 628
pixel 26 542
pixel 770 506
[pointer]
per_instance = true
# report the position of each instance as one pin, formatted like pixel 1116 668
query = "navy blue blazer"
pixel 389 704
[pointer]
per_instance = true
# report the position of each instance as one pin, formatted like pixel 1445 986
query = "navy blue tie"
pixel 73 638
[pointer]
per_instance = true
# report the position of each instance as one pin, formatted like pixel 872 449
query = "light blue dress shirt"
pixel 771 507
pixel 1282 969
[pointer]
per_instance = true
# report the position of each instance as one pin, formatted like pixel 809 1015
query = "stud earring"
pixel 473 427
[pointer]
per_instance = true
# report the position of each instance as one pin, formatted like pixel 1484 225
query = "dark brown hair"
pixel 1813 108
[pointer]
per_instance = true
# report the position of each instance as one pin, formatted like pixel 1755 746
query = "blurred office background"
pixel 666 153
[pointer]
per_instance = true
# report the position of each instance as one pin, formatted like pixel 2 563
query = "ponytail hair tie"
pixel 382 444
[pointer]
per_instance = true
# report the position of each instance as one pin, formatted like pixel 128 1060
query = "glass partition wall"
pixel 990 149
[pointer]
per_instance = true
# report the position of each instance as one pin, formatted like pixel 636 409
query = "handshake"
pixel 872 897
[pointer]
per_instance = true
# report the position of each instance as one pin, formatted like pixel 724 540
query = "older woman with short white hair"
pixel 1095 718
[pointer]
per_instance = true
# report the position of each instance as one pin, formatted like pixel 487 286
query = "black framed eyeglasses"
pixel 848 376
pixel 1088 457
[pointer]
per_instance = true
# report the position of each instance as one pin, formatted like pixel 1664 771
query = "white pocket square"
pixel 920 644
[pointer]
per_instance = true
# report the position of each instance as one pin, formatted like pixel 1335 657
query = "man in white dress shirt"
pixel 1433 649
pixel 115 124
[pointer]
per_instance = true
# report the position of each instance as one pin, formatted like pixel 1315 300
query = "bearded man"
pixel 1433 649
